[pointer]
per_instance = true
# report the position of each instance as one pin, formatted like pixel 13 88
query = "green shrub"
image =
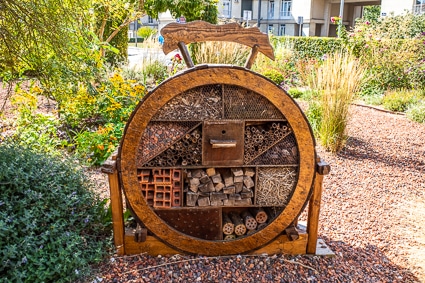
pixel 295 92
pixel 50 226
pixel 392 50
pixel 399 100
pixel 310 47
pixel 416 112
pixel 274 75
pixel 314 115
pixel 146 32
pixel 155 71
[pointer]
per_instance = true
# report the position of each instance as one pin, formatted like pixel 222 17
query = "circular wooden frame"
pixel 194 77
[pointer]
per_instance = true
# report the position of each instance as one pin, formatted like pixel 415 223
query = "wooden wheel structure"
pixel 217 159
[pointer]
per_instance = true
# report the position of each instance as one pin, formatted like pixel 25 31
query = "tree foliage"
pixel 372 13
pixel 205 10
pixel 41 37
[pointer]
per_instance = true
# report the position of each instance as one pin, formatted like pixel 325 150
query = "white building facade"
pixel 308 17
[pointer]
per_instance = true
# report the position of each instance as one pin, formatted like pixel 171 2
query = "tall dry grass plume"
pixel 336 82
pixel 217 52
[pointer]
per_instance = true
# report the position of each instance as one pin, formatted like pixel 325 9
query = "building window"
pixel 150 20
pixel 419 8
pixel 270 29
pixel 271 10
pixel 285 9
pixel 282 29
pixel 227 12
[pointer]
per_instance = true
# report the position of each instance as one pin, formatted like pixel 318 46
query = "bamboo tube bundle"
pixel 240 228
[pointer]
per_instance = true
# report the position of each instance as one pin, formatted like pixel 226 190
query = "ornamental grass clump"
pixel 216 52
pixel 335 82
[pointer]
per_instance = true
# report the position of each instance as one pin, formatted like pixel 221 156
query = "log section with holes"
pixel 217 159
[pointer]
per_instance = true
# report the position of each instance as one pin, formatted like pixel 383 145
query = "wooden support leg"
pixel 314 206
pixel 116 204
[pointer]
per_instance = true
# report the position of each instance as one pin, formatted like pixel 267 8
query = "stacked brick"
pixel 161 188
pixel 220 187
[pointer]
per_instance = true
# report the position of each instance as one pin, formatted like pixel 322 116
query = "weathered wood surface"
pixel 203 223
pixel 222 143
pixel 282 245
pixel 154 247
pixel 176 85
pixel 199 31
pixel 116 207
pixel 314 207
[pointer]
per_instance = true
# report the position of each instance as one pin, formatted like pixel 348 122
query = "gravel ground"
pixel 373 218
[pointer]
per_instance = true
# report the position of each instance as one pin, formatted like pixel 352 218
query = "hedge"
pixel 310 47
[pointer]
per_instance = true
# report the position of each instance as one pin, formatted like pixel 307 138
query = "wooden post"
pixel 185 54
pixel 110 168
pixel 322 168
pixel 252 56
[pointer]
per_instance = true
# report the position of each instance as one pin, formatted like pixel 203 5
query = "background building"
pixel 308 17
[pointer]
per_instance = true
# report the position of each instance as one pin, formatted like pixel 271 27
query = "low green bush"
pixel 50 226
pixel 310 47
pixel 416 112
pixel 274 75
pixel 399 100
pixel 296 92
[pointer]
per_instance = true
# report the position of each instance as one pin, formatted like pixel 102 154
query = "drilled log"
pixel 249 220
pixel 228 226
pixel 259 214
pixel 230 237
pixel 240 228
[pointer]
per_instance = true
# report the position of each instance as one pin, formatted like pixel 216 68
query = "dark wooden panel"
pixel 223 143
pixel 200 223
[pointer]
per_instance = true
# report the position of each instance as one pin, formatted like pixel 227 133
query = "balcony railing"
pixel 285 14
pixel 419 9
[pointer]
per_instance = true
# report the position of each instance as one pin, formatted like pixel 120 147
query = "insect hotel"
pixel 216 160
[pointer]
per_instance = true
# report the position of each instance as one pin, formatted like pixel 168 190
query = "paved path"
pixel 137 55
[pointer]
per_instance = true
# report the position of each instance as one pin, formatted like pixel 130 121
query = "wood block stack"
pixel 220 187
pixel 161 188
pixel 246 222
